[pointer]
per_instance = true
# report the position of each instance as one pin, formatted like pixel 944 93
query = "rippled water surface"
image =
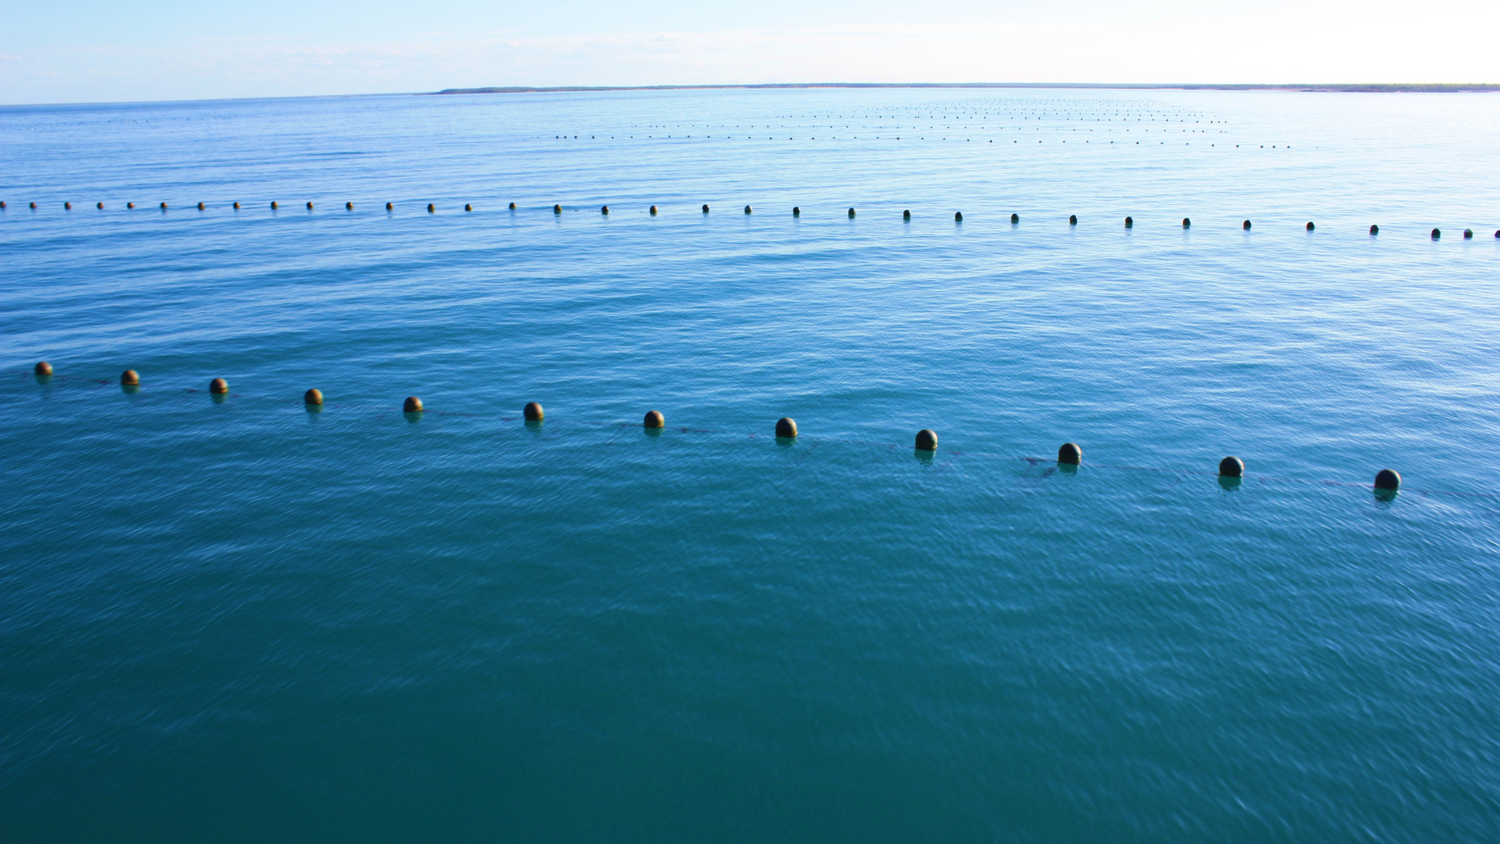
pixel 244 620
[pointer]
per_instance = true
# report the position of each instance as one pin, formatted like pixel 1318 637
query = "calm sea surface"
pixel 241 620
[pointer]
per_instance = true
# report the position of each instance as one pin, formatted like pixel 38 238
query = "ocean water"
pixel 238 619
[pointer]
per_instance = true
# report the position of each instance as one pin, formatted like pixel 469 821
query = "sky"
pixel 60 51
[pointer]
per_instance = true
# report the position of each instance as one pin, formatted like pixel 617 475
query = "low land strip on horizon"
pixel 1372 88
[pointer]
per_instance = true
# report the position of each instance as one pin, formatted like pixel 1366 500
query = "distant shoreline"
pixel 1394 88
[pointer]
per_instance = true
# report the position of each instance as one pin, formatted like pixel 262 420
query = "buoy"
pixel 927 440
pixel 797 212
pixel 43 369
pixel 1436 234
pixel 747 209
pixel 1310 226
pixel 468 207
pixel 654 419
pixel 218 386
pixel 1245 225
pixel 389 206
pixel 67 206
pixel 786 426
pixel 33 206
pixel 2 205
pixel 1388 479
pixel 273 205
pixel 1497 233
pixel 1072 219
pixel 412 405
pixel 705 208
pixel 313 396
pixel 1232 467
pixel 512 206
pixel 533 412
pixel 348 206
pixel 309 206
pixel 1186 223
pixel 851 212
pixel 431 208
pixel 1468 234
pixel 1374 229
pixel 958 216
pixel 653 210
pixel 1070 453
pixel 200 206
pixel 236 206
pixel 1129 223
pixel 164 206
pixel 130 205
pixel 557 209
pixel 1015 218
pixel 130 378
pixel 99 205
pixel 906 215
pixel 604 210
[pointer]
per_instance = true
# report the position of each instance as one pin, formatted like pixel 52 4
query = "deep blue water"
pixel 241 619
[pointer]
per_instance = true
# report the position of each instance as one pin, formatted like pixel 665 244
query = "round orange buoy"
pixel 33 206
pixel 533 412
pixel 43 369
pixel 200 206
pixel 412 405
pixel 218 386
pixel 130 205
pixel 654 419
pixel 236 206
pixel 313 396
pixel 130 378
pixel 431 208
pixel 99 205
pixel 512 206
pixel 557 209
pixel 927 440
pixel 67 206
pixel 468 207
pixel 309 206
pixel 274 206
pixel 164 206
pixel 390 206
pixel 653 210
pixel 348 206
pixel 1070 453
pixel 786 427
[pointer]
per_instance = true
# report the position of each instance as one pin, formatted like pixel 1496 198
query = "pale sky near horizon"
pixel 94 51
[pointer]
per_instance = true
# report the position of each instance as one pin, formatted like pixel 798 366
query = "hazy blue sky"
pixel 91 50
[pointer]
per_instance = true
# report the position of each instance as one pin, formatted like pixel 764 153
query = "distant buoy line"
pixel 1073 221
pixel 1230 470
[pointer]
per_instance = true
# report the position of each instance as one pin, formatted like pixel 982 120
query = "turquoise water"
pixel 239 619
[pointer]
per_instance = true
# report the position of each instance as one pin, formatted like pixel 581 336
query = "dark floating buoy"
pixel 958 216
pixel 33 206
pixel 927 440
pixel 533 412
pixel 431 208
pixel 1245 225
pixel 747 209
pixel 557 209
pixel 1072 219
pixel 512 206
pixel 1310 226
pixel 906 215
pixel 218 386
pixel 705 207
pixel 1374 229
pixel 1231 467
pixel 313 396
pixel 1388 480
pixel 1436 234
pixel 43 369
pixel 468 207
pixel 130 205
pixel 2 205
pixel 99 205
pixel 130 378
pixel 1070 453
pixel 236 206
pixel 1497 233
pixel 604 209
pixel 348 206
pixel 309 206
pixel 1129 223
pixel 67 206
pixel 1015 218
pixel 1186 223
pixel 273 205
pixel 654 419
pixel 653 210
pixel 797 212
pixel 164 206
pixel 412 405
pixel 200 206
pixel 389 206
pixel 786 427
pixel 851 212
pixel 1468 234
